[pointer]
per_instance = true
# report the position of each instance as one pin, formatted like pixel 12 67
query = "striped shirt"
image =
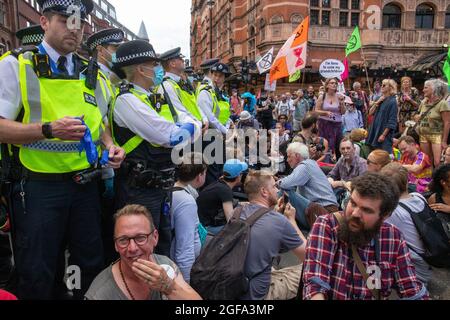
pixel 311 182
pixel 330 269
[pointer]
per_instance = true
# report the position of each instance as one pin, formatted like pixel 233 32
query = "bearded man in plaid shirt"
pixel 330 271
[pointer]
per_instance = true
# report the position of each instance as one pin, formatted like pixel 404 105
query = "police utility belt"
pixel 83 177
pixel 139 175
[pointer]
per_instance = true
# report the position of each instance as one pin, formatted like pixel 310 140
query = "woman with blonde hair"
pixel 385 112
pixel 408 102
pixel 434 120
pixel 330 107
pixel 377 160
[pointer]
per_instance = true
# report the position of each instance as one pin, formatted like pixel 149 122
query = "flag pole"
pixel 365 66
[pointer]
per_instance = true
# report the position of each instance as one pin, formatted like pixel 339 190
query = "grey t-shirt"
pixel 271 235
pixel 104 287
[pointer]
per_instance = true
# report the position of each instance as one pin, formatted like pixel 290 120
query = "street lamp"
pixel 210 4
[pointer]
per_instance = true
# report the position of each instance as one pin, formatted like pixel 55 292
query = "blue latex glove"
pixel 184 132
pixel 105 158
pixel 86 144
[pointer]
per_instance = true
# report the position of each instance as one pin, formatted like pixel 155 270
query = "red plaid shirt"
pixel 329 267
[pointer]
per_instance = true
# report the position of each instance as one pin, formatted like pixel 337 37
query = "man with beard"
pixel 272 234
pixel 330 270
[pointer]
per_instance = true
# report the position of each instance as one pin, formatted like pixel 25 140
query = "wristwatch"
pixel 47 130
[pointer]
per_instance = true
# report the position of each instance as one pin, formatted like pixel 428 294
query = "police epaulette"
pixel 83 59
pixel 18 51
pixel 124 87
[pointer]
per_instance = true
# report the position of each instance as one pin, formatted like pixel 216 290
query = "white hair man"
pixel 310 180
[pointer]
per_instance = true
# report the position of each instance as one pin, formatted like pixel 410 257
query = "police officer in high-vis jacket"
pixel 30 36
pixel 103 46
pixel 177 90
pixel 212 100
pixel 147 127
pixel 49 101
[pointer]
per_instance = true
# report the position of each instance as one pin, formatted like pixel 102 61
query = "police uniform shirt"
pixel 205 103
pixel 10 95
pixel 132 113
pixel 183 114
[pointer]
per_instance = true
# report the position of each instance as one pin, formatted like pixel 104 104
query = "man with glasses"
pixel 139 274
pixel 147 128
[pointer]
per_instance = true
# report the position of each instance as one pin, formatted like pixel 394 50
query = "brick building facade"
pixel 395 34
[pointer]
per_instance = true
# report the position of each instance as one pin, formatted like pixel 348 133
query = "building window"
pixel 262 29
pixel 276 22
pixel 314 15
pixel 317 15
pixel 2 13
pixel 343 4
pixel 343 19
pixel 355 4
pixel 296 19
pixel 447 18
pixel 392 17
pixel 424 17
pixel 355 19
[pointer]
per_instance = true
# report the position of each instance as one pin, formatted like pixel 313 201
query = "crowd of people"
pixel 89 178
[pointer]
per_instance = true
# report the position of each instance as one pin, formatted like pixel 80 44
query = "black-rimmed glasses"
pixel 140 240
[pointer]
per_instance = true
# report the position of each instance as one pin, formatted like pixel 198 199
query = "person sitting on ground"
pixel 440 186
pixel 330 271
pixel 348 167
pixel 307 176
pixel 274 233
pixel 377 159
pixel 417 163
pixel 358 137
pixel 215 202
pixel 401 218
pixel 139 274
pixel 283 119
pixel 186 242
pixel 247 121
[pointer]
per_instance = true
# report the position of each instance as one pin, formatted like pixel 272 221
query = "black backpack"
pixel 218 273
pixel 434 234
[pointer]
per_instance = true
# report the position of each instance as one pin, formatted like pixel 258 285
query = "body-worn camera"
pixel 87 176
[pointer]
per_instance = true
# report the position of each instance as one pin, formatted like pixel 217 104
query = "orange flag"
pixel 292 56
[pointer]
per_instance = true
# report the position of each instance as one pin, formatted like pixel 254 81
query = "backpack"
pixel 218 273
pixel 434 234
pixel 365 149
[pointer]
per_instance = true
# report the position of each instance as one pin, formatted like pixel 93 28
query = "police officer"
pixel 47 108
pixel 212 100
pixel 177 90
pixel 30 36
pixel 103 45
pixel 146 126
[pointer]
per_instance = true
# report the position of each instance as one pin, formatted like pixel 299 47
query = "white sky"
pixel 167 21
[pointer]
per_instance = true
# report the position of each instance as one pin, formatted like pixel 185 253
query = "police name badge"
pixel 88 98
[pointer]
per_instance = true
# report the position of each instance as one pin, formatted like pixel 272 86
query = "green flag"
pixel 295 76
pixel 446 68
pixel 354 43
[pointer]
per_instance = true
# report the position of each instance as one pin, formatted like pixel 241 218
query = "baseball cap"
pixel 233 168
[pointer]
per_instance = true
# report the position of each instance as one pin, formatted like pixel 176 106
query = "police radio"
pixel 92 72
pixel 42 65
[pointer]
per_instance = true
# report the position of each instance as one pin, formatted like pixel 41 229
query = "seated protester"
pixel 186 243
pixel 283 119
pixel 358 136
pixel 378 159
pixel 272 234
pixel 246 121
pixel 348 167
pixel 139 274
pixel 283 135
pixel 308 178
pixel 309 135
pixel 401 218
pixel 440 186
pixel 329 268
pixel 352 119
pixel 417 163
pixel 215 202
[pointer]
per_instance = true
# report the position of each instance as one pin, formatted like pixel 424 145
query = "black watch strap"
pixel 47 130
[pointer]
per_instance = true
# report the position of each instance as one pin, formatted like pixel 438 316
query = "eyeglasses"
pixel 140 240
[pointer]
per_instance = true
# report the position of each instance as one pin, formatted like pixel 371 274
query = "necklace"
pixel 123 279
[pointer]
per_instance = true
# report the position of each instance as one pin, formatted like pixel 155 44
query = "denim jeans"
pixel 300 204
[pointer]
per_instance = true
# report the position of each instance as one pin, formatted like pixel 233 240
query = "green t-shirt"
pixel 432 123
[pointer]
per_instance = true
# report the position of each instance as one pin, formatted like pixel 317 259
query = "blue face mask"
pixel 191 79
pixel 159 75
